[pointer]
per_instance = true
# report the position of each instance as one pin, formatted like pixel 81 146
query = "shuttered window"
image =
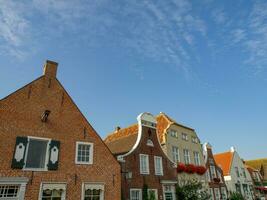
pixel 34 153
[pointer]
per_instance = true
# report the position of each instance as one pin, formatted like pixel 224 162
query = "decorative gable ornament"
pixel 150 143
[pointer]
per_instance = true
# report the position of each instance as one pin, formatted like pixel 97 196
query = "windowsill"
pixel 142 173
pixel 83 163
pixel 159 174
pixel 36 169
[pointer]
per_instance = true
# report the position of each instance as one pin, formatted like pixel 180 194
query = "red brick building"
pixel 48 150
pixel 146 170
pixel 217 186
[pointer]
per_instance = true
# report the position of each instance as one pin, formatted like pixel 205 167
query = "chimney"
pixel 232 149
pixel 50 69
pixel 117 128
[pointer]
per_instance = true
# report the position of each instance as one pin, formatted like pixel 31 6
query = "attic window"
pixel 149 143
pixel 45 115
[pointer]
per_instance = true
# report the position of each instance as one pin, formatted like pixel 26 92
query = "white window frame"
pixel 20 181
pixel 90 162
pixel 237 172
pixel 52 183
pixel 45 168
pixel 185 136
pixel 174 133
pixel 211 194
pixel 217 193
pixel 186 155
pixel 197 158
pixel 194 139
pixel 161 166
pixel 147 163
pixel 208 175
pixel 213 172
pixel 175 154
pixel 96 184
pixel 155 191
pixel 136 189
pixel 6 187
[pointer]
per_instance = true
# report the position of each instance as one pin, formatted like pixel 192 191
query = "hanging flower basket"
pixel 200 170
pixel 190 169
pixel 181 167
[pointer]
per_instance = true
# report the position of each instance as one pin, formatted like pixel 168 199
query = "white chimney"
pixel 232 149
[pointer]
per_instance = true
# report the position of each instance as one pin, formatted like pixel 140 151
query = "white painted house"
pixel 236 175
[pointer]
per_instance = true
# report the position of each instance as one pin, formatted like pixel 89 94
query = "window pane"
pixel 83 153
pixel 8 191
pixel 36 154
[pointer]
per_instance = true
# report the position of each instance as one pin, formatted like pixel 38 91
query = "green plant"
pixel 145 194
pixel 236 196
pixel 152 195
pixel 191 191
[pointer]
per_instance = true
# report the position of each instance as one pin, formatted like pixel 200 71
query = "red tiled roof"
pixel 224 161
pixel 124 132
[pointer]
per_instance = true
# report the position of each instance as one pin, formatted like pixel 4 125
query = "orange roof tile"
pixel 163 122
pixel 224 160
pixel 124 132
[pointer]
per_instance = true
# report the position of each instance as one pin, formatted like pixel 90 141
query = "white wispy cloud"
pixel 257 43
pixel 238 35
pixel 14 28
pixel 219 16
pixel 163 31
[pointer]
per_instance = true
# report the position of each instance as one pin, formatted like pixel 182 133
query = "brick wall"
pixel 132 164
pixel 20 115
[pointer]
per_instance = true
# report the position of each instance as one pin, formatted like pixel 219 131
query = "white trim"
pixel 136 189
pixel 161 166
pixel 168 182
pixel 139 135
pixel 21 181
pixel 53 183
pixel 171 186
pixel 147 162
pixel 98 184
pixel 90 156
pixel 45 168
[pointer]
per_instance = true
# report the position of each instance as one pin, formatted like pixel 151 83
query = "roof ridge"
pixel 122 133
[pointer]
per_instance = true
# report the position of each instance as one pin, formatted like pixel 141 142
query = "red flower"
pixel 181 167
pixel 200 170
pixel 190 169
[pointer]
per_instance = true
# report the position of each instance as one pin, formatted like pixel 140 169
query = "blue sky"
pixel 201 62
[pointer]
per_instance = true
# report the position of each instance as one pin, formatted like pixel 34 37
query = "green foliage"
pixel 152 196
pixel 191 191
pixel 236 196
pixel 145 194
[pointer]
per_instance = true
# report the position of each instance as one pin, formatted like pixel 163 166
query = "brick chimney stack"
pixel 50 69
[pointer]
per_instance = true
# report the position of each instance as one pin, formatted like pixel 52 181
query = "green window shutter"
pixel 53 155
pixel 19 153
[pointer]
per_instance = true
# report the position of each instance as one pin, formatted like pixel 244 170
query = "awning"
pixel 89 186
pixel 54 186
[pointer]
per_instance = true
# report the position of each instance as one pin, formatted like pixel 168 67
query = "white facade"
pixel 239 179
